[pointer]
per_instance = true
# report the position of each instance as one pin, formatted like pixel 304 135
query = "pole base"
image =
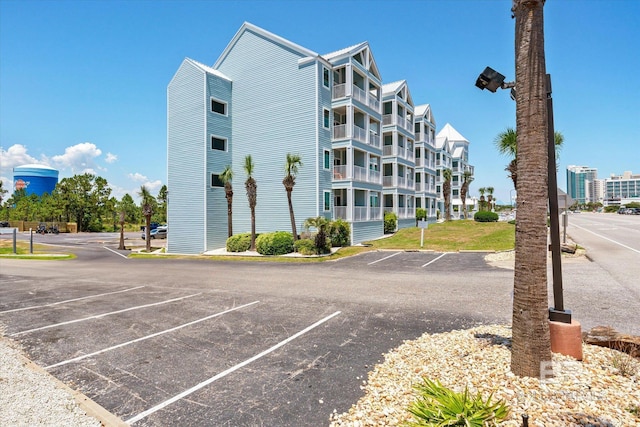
pixel 563 316
pixel 566 338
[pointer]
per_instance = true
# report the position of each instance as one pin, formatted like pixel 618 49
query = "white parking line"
pixel 98 316
pixel 76 359
pixel 115 252
pixel 434 260
pixel 226 372
pixel 382 259
pixel 606 238
pixel 69 300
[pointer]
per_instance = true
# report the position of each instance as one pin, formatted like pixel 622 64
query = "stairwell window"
pixel 325 77
pixel 326 116
pixel 218 143
pixel 327 201
pixel 216 181
pixel 327 159
pixel 219 107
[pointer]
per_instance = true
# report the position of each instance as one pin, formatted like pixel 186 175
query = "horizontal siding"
pixel 364 231
pixel 406 223
pixel 185 165
pixel 220 126
pixel 274 113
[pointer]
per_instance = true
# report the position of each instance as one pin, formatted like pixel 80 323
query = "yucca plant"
pixel 438 406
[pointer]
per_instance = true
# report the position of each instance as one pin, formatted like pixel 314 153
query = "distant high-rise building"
pixel 578 180
pixel 622 189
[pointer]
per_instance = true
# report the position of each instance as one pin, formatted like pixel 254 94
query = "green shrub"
pixel 485 216
pixel 390 222
pixel 438 405
pixel 276 243
pixel 239 242
pixel 305 247
pixel 340 233
pixel 421 214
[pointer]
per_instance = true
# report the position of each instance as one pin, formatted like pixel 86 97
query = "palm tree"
pixel 226 176
pixel 147 211
pixel 467 178
pixel 320 223
pixel 506 144
pixel 490 191
pixel 531 343
pixel 482 190
pixel 446 193
pixel 252 195
pixel 291 169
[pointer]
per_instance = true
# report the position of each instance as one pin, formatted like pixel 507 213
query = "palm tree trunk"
pixel 291 215
pixel 531 342
pixel 253 228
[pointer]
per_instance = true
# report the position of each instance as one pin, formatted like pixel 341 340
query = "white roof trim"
pixel 266 34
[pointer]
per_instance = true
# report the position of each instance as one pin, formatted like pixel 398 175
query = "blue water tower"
pixel 35 179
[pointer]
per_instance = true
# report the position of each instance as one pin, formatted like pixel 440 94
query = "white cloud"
pixel 111 158
pixel 16 155
pixel 137 177
pixel 80 158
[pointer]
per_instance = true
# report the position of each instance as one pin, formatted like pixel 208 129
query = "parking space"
pixel 416 261
pixel 139 350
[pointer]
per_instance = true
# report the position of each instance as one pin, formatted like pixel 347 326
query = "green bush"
pixel 421 214
pixel 390 222
pixel 239 242
pixel 440 406
pixel 305 247
pixel 340 233
pixel 276 243
pixel 485 216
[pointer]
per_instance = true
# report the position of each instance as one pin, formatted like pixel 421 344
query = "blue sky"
pixel 83 83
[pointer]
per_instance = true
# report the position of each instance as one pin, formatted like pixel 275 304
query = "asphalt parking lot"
pixel 198 343
pixel 190 342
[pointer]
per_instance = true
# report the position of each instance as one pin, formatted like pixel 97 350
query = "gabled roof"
pixel 350 51
pixel 303 51
pixel 457 152
pixel 441 142
pixel 393 87
pixel 206 68
pixel 452 134
pixel 424 110
pixel 347 51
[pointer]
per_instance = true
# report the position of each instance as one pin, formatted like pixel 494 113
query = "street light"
pixel 492 80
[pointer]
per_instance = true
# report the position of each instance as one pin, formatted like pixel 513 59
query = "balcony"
pixel 339 91
pixel 374 139
pixel 340 172
pixel 340 212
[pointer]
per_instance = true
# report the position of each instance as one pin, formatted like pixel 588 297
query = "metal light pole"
pixel 492 80
pixel 557 313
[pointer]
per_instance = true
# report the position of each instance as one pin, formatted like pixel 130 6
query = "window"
pixel 218 107
pixel 326 120
pixel 327 159
pixel 327 201
pixel 455 193
pixel 218 143
pixel 216 181
pixel 325 77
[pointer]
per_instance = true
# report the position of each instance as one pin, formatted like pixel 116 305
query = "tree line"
pixel 85 200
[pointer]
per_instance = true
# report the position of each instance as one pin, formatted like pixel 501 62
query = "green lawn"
pixel 453 236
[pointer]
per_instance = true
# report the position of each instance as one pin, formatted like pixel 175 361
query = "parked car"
pixel 4 224
pixel 152 226
pixel 159 232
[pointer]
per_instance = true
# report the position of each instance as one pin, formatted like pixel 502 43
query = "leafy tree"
pixel 84 199
pixel 162 198
pixel 226 176
pixel 531 343
pixel 252 195
pixel 483 201
pixel 146 205
pixel 467 178
pixel 446 193
pixel 292 164
pixel 128 206
pixel 2 192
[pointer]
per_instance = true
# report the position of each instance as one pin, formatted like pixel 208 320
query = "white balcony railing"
pixel 339 131
pixel 359 94
pixel 387 181
pixel 373 103
pixel 375 213
pixel 339 91
pixel 419 161
pixel 418 186
pixel 340 212
pixel 374 176
pixel 402 181
pixel 359 134
pixel 387 150
pixel 340 172
pixel 387 119
pixel 374 139
pixel 410 184
pixel 360 213
pixel 359 173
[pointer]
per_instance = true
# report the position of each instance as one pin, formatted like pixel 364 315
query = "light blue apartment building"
pixel 265 97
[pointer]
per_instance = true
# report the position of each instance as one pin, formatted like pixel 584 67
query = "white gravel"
pixel 31 397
